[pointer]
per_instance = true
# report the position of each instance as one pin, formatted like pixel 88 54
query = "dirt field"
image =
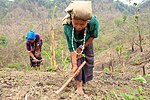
pixel 22 84
pixel 40 85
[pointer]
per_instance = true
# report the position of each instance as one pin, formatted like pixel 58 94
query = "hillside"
pixel 145 5
pixel 30 7
pixel 24 15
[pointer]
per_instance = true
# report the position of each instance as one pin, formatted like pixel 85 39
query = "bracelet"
pixel 38 44
pixel 81 47
pixel 34 58
pixel 37 52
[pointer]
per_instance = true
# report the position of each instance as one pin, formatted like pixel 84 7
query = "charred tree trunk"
pixel 132 47
pixel 144 73
pixel 102 66
pixel 139 33
pixel 140 40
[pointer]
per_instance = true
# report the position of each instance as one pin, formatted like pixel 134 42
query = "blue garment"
pixel 30 35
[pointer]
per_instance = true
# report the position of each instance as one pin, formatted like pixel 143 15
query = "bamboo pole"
pixel 65 84
pixel 52 47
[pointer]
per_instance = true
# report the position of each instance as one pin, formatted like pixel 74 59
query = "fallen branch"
pixel 64 85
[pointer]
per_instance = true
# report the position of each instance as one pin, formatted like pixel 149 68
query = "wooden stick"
pixel 64 85
pixel 40 60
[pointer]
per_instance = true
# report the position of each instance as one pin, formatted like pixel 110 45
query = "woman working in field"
pixel 33 46
pixel 80 29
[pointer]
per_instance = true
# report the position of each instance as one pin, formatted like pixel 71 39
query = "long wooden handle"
pixel 64 85
pixel 40 60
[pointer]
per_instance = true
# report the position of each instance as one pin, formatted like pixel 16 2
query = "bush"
pixel 3 41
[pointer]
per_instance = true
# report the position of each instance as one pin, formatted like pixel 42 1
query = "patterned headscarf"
pixel 78 9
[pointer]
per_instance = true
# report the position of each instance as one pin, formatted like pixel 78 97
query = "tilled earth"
pixel 22 84
pixel 40 85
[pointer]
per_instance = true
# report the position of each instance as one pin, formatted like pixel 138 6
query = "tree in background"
pixel 139 42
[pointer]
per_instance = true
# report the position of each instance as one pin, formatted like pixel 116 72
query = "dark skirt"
pixel 86 74
pixel 34 64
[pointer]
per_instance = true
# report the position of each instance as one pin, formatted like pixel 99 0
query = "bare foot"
pixel 79 91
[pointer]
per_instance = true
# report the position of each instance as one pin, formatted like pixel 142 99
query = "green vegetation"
pixel 136 94
pixel 148 75
pixel 130 94
pixel 106 70
pixel 119 50
pixel 139 78
pixel 3 41
pixel 14 65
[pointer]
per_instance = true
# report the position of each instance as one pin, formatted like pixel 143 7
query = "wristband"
pixel 37 52
pixel 81 47
pixel 34 58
